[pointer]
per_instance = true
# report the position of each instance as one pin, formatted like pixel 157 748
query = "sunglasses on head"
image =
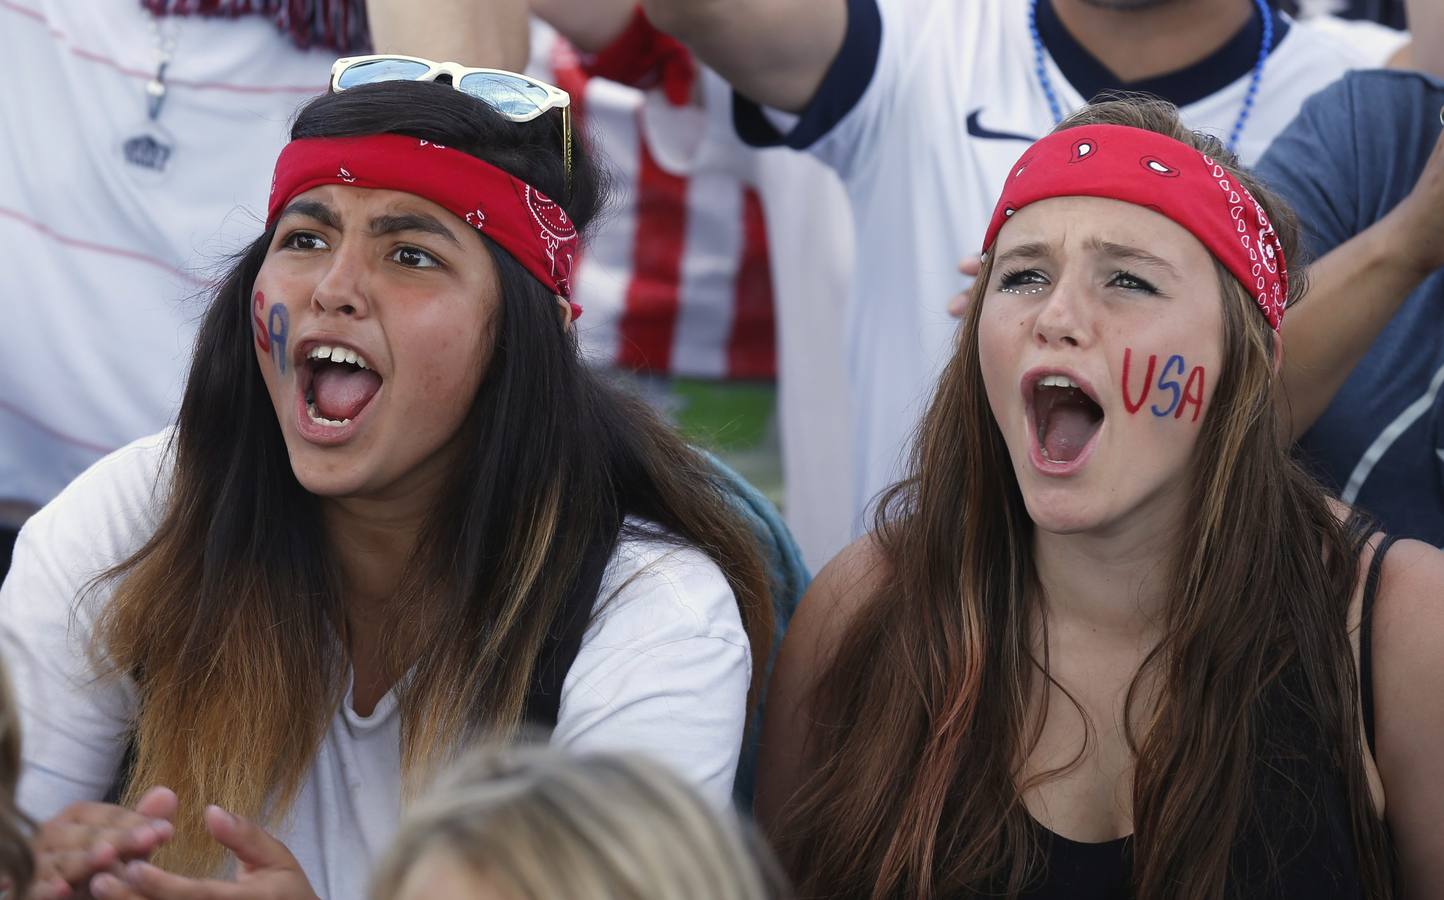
pixel 513 96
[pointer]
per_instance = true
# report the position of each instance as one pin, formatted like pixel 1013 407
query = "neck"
pixel 1145 43
pixel 1114 584
pixel 373 541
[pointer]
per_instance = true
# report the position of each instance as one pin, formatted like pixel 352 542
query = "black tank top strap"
pixel 1366 634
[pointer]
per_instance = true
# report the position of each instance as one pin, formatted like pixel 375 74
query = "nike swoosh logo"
pixel 976 129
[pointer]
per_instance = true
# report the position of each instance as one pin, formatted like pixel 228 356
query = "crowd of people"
pixel 399 400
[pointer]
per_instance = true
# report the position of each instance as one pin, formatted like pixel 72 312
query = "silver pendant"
pixel 149 150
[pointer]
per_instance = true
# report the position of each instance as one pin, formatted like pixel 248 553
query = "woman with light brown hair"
pixel 1107 639
pixel 534 823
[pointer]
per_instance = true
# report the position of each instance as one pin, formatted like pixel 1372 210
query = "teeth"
pixel 1062 381
pixel 337 354
pixel 319 419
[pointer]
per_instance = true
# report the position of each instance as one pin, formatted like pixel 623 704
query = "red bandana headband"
pixel 521 219
pixel 1150 170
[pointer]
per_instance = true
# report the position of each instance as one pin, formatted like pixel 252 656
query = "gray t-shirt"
pixel 1355 150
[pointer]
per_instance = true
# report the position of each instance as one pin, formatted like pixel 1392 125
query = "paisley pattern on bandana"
pixel 1167 176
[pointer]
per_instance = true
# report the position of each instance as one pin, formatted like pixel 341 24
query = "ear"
pixel 568 311
pixel 1278 351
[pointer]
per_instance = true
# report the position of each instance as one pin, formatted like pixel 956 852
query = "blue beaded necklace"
pixel 1265 14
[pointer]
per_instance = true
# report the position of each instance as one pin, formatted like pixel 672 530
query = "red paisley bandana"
pixel 1150 170
pixel 521 219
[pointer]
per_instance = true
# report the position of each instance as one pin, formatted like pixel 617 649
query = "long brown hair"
pixel 231 617
pixel 922 716
pixel 17 865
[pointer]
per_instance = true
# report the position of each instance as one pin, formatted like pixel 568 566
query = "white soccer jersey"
pixel 927 106
pixel 104 258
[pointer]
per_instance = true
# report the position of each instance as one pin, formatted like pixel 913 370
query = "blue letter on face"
pixel 1167 384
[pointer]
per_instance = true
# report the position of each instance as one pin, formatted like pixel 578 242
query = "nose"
pixel 343 287
pixel 1062 319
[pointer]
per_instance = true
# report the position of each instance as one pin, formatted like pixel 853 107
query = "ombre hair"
pixel 538 823
pixel 927 709
pixel 231 618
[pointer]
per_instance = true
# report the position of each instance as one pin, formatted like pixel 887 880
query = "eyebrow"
pixel 1031 250
pixel 411 222
pixel 381 225
pixel 313 209
pixel 1125 252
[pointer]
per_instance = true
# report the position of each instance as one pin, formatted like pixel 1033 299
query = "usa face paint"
pixel 272 331
pixel 1173 398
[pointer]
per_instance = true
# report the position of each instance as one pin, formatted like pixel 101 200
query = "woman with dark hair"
pixel 1108 640
pixel 396 513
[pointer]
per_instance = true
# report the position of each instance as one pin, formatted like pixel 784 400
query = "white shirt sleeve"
pixel 663 668
pixel 74 724
pixel 857 107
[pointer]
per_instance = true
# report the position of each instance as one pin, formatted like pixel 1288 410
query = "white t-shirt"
pixel 663 669
pixel 701 234
pixel 925 109
pixel 101 259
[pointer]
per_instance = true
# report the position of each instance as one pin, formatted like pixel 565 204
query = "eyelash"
pixel 434 262
pixel 1021 277
pixel 291 242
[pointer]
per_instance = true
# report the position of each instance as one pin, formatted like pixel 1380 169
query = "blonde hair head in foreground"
pixel 532 823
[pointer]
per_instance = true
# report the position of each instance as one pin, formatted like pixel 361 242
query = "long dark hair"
pixel 928 708
pixel 230 618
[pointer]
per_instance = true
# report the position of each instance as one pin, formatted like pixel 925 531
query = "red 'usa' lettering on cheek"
pixel 1192 393
pixel 263 339
pixel 1128 404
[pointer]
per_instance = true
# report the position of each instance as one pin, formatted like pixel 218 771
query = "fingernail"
pixel 104 885
pixel 225 814
pixel 134 871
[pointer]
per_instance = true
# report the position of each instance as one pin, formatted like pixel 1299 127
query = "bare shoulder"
pixel 1408 632
pixel 1411 590
pixel 838 593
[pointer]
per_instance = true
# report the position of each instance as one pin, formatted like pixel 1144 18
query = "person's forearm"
pixel 487 33
pixel 774 52
pixel 1426 31
pixel 1353 293
pixel 590 25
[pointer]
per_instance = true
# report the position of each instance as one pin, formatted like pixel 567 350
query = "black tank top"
pixel 1302 813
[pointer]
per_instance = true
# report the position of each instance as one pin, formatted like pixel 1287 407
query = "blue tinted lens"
pixel 381 70
pixel 513 97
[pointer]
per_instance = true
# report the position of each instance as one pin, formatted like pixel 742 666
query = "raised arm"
pixel 1331 166
pixel 589 24
pixel 489 33
pixel 1356 289
pixel 774 52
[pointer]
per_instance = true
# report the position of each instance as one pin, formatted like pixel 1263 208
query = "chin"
pixel 1062 510
pixel 326 477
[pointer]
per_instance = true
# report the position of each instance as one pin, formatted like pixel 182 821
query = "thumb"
pixel 248 841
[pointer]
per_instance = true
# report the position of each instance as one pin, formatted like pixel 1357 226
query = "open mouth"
pixel 340 385
pixel 1065 418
